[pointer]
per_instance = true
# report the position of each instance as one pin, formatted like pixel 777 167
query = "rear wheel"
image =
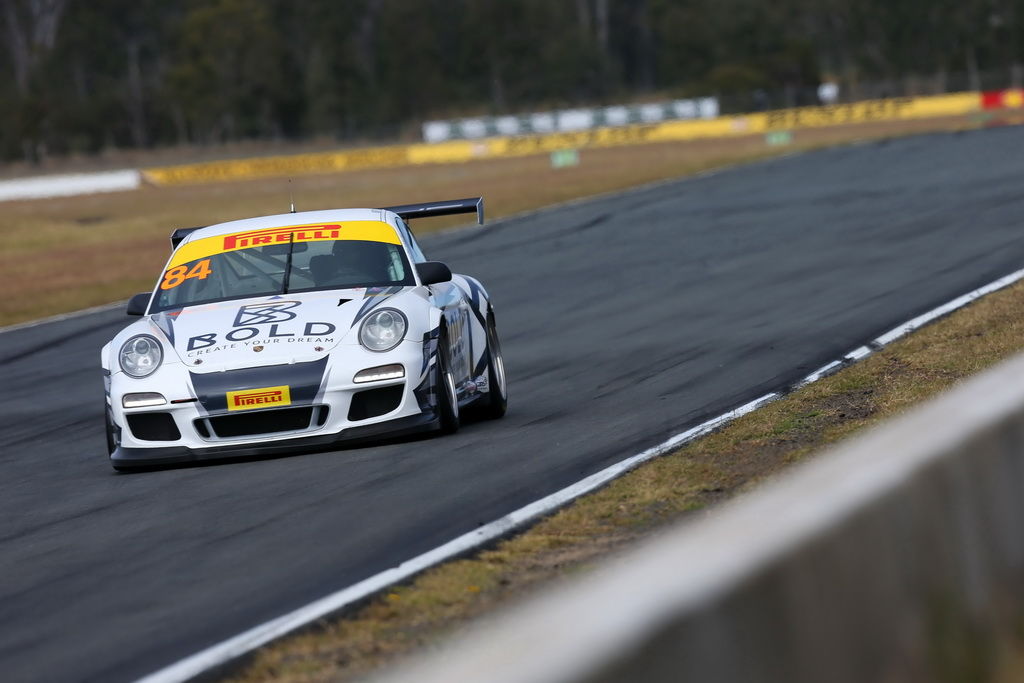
pixel 447 398
pixel 496 403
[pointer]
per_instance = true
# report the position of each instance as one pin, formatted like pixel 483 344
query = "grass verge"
pixel 64 254
pixel 739 456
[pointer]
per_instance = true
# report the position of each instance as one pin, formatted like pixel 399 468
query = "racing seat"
pixel 322 268
pixel 351 263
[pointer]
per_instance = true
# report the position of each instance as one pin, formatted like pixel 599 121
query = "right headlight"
pixel 383 329
pixel 140 356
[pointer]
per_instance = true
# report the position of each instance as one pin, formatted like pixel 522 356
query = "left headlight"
pixel 383 330
pixel 140 356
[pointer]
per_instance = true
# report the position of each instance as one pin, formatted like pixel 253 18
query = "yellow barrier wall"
pixel 895 109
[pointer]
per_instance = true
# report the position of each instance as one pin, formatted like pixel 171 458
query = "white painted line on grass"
pixel 959 302
pixel 859 352
pixel 40 187
pixel 244 643
pixel 823 371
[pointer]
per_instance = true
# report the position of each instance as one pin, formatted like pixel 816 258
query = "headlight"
pixel 383 330
pixel 143 400
pixel 141 356
pixel 379 373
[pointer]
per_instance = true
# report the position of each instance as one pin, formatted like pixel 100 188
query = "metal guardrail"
pixel 569 120
pixel 897 556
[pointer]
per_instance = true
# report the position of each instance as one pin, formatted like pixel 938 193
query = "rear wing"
pixel 181 233
pixel 443 208
pixel 406 211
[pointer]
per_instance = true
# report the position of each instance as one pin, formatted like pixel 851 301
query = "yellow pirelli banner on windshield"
pixel 458 151
pixel 367 231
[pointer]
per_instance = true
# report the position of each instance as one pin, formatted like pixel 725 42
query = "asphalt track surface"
pixel 624 320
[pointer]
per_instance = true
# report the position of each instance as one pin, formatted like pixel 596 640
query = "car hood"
pixel 269 330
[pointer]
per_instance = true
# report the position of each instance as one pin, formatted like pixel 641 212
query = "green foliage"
pixel 227 80
pixel 156 72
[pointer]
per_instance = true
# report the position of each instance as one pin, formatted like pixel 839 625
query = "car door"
pixel 456 310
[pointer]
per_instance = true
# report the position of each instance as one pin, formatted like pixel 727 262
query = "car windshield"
pixel 260 270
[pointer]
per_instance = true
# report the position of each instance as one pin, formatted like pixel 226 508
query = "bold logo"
pixel 201 341
pixel 257 238
pixel 268 397
pixel 311 332
pixel 261 314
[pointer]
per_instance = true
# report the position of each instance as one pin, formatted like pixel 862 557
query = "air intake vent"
pixel 375 402
pixel 153 427
pixel 263 422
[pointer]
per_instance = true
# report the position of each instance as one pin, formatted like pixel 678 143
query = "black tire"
pixel 496 402
pixel 444 382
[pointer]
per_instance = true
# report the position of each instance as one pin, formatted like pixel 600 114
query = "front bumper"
pixel 194 429
pixel 124 458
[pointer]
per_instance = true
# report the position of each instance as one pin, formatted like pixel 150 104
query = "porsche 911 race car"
pixel 297 331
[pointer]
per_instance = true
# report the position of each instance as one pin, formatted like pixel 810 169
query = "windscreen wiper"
pixel 288 264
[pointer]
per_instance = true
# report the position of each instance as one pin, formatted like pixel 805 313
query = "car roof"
pixel 289 219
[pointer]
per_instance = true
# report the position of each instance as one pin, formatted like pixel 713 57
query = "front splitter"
pixel 142 458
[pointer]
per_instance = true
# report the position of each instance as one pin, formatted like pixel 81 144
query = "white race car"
pixel 296 331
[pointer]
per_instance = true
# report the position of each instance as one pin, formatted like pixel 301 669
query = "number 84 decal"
pixel 175 276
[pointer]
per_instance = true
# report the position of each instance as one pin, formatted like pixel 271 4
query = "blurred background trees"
pixel 78 76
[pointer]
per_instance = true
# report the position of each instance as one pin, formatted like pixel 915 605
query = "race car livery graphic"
pixel 298 331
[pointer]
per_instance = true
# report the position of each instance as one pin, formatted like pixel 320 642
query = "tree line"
pixel 79 76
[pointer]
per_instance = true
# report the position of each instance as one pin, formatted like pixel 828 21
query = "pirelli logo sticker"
pixel 255 238
pixel 267 397
pixel 369 231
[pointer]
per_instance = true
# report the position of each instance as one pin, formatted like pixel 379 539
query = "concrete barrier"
pixel 899 556
pixel 71 184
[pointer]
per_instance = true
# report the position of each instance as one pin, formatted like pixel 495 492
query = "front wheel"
pixel 444 384
pixel 112 433
pixel 496 403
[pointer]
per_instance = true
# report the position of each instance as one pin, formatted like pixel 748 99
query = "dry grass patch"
pixel 63 254
pixel 736 458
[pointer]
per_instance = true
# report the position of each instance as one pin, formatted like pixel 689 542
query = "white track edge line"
pixel 63 316
pixel 247 641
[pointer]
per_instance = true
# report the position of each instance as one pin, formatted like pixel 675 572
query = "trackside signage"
pixel 645 130
pixel 1003 99
pixel 569 120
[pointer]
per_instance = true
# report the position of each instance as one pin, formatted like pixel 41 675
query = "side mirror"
pixel 137 304
pixel 433 272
